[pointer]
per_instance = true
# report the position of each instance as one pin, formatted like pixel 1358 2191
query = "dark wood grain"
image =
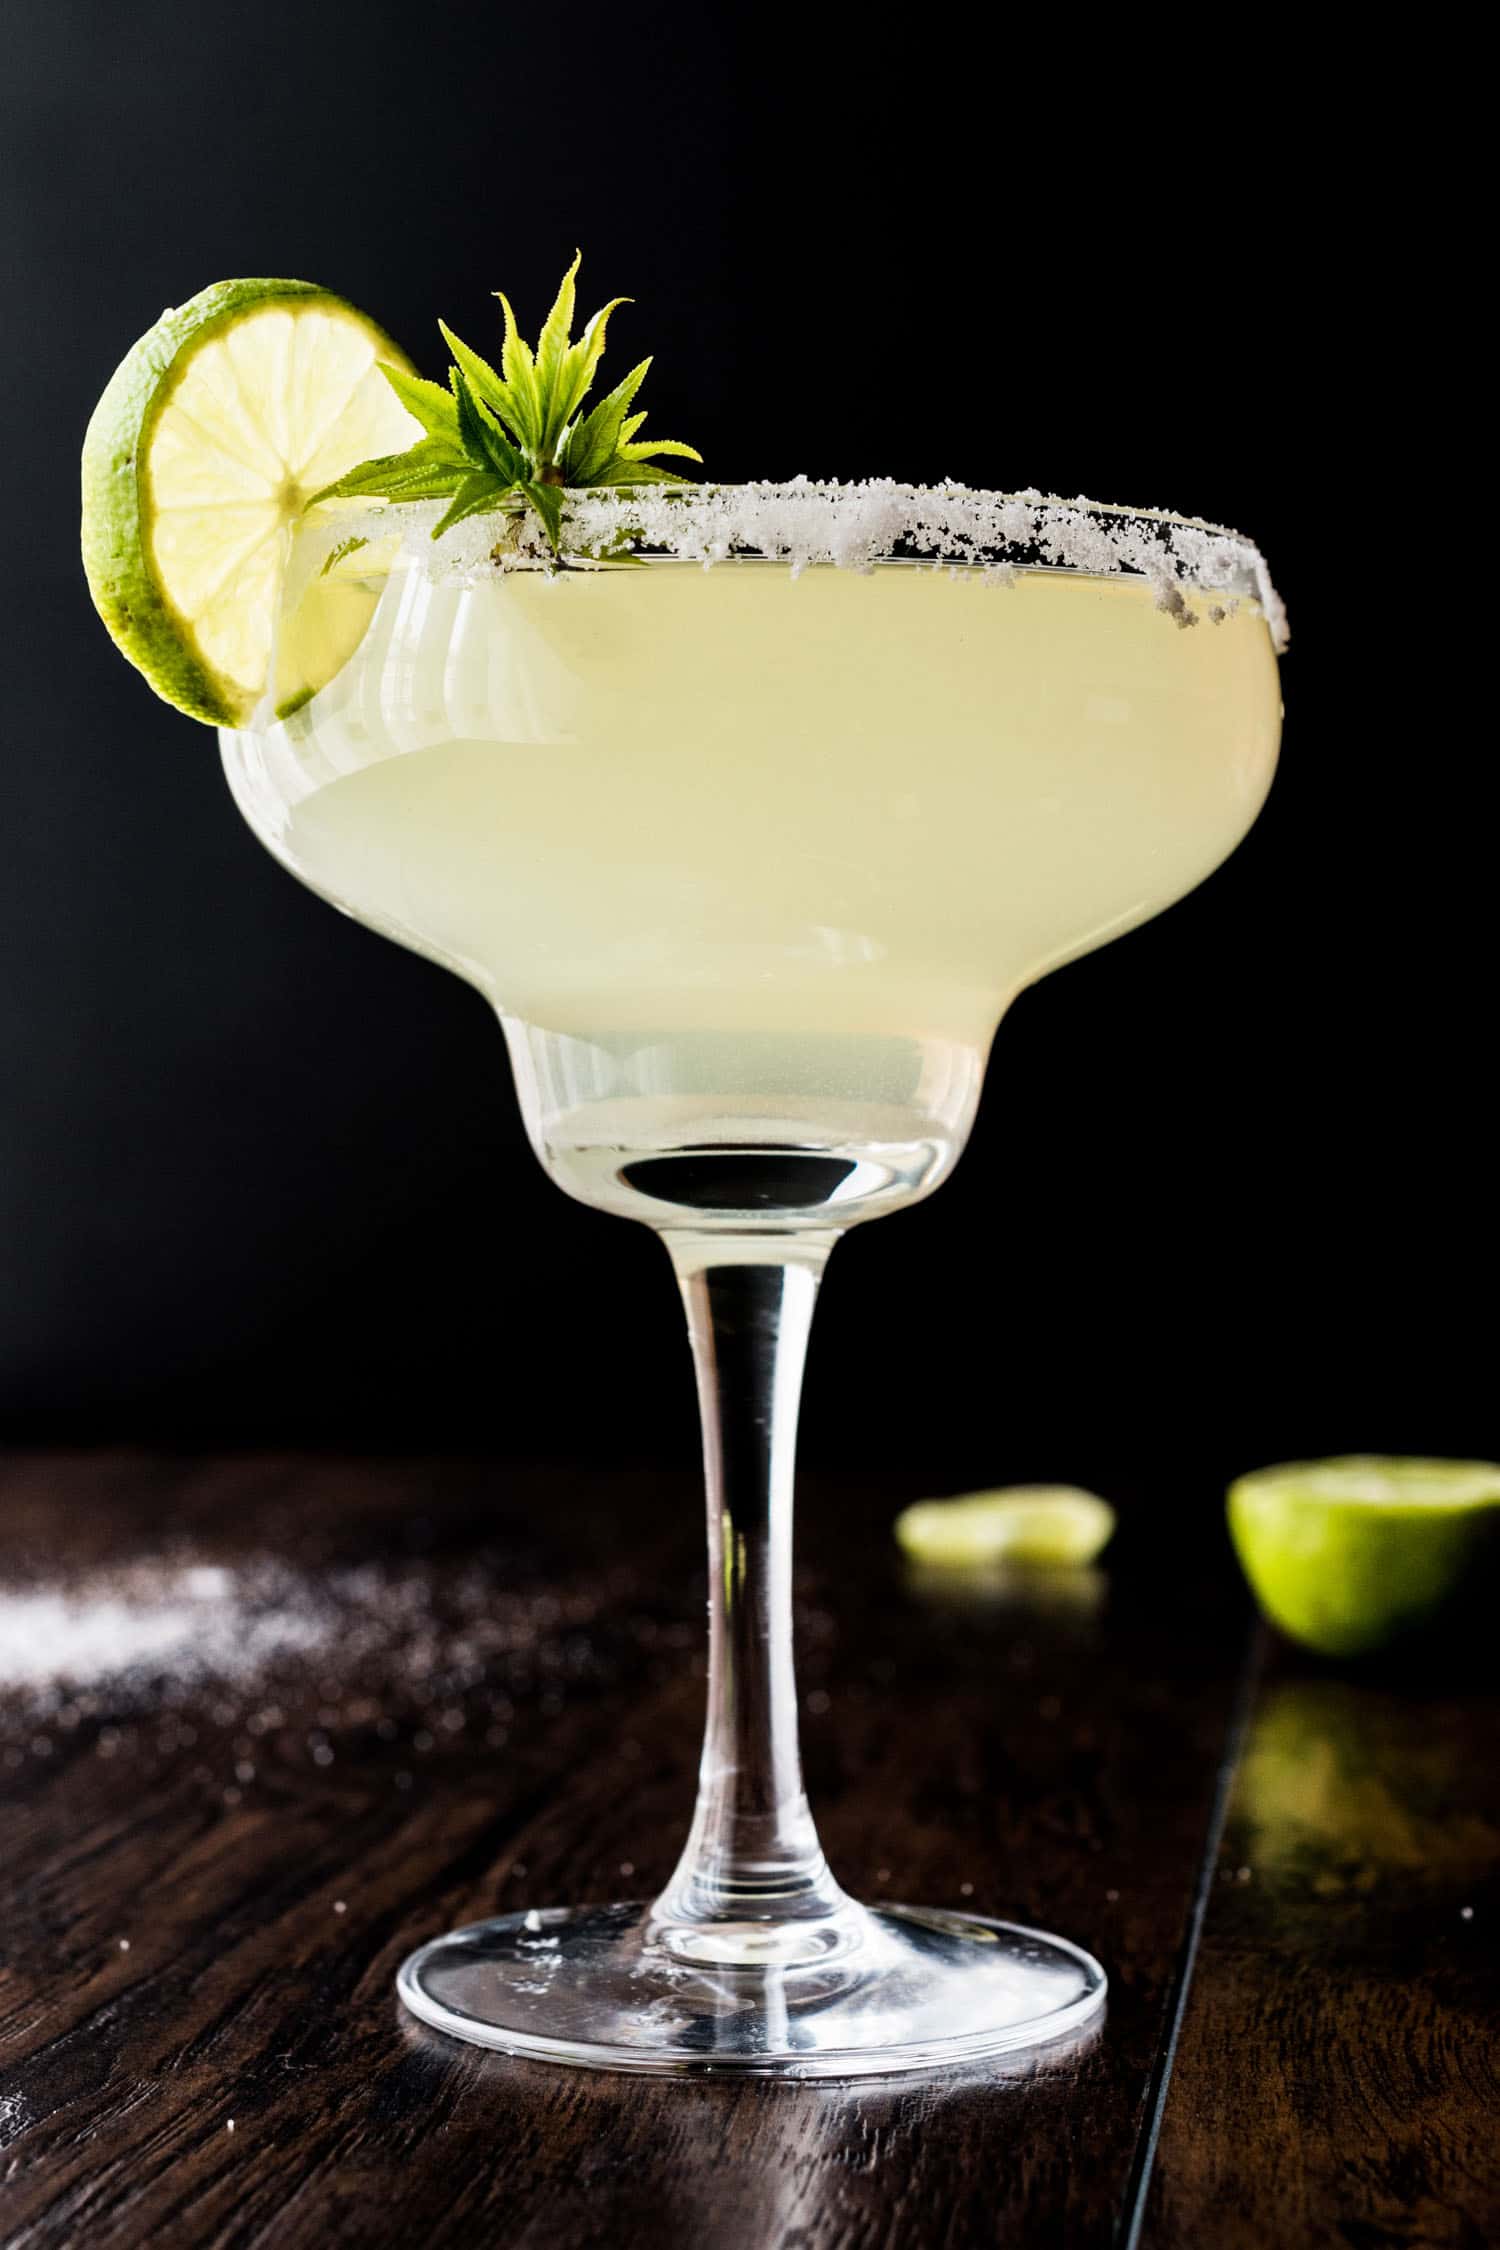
pixel 1054 1762
pixel 1337 2082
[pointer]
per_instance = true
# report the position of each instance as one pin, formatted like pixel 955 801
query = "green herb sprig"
pixel 515 440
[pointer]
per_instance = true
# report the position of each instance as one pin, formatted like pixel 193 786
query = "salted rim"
pixel 855 526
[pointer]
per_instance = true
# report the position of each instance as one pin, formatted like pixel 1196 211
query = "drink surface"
pixel 755 863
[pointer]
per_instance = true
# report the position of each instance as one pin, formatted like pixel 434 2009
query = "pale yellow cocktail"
pixel 749 859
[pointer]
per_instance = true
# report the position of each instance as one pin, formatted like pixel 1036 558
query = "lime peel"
pixel 1347 1555
pixel 1053 1526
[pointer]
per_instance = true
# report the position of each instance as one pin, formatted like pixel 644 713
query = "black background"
pixel 1229 1198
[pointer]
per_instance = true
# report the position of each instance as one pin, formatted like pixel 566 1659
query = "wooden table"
pixel 1290 1875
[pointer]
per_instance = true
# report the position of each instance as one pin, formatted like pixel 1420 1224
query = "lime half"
pixel 1054 1525
pixel 1347 1555
pixel 201 455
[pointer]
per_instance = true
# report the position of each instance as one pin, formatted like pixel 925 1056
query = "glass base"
pixel 913 1989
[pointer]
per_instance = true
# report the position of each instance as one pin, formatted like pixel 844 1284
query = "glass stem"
pixel 752 1886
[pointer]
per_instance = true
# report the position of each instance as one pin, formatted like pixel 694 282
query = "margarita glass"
pixel 751 859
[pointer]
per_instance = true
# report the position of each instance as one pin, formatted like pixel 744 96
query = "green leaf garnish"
pixel 340 553
pixel 511 442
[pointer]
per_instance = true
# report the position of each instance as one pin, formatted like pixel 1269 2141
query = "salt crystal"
pixel 853 527
pixel 196 1619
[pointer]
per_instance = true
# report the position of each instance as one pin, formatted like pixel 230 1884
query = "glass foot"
pixel 914 1989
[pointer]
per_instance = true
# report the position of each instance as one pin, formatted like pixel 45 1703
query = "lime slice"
pixel 200 457
pixel 1346 1555
pixel 1049 1524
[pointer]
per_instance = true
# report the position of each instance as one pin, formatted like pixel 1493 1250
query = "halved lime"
pixel 200 457
pixel 1056 1525
pixel 1346 1555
